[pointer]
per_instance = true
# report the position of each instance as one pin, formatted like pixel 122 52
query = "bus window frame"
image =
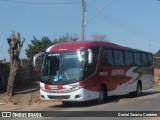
pixel 107 57
pixel 114 57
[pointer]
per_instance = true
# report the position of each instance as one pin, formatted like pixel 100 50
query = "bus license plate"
pixel 58 99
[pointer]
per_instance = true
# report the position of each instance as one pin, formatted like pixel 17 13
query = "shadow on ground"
pixel 112 99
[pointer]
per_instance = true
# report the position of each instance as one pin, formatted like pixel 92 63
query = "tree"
pixel 15 44
pixel 66 38
pixel 157 54
pixel 37 46
pixel 100 37
pixel 41 45
pixel 157 59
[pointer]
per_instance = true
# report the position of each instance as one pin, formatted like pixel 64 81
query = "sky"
pixel 133 23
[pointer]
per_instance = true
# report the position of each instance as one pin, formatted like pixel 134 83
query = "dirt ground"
pixel 24 97
pixel 28 96
pixel 157 75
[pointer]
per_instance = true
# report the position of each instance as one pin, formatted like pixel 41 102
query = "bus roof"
pixel 75 45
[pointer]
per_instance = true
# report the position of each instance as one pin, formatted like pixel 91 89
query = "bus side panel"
pixel 147 77
pixel 118 79
pixel 144 74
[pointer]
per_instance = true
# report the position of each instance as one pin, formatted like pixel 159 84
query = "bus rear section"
pixel 127 71
pixel 94 70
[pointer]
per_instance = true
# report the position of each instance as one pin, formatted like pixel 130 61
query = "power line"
pixel 34 3
pixel 119 24
pixel 76 3
pixel 106 5
pixel 83 16
pixel 124 26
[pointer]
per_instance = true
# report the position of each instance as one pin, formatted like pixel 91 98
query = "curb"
pixel 2 103
pixel 26 91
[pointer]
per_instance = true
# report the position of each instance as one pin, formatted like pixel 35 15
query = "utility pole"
pixel 83 17
pixel 83 20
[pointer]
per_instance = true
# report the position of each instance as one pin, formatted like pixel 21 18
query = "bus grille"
pixel 57 91
pixel 59 97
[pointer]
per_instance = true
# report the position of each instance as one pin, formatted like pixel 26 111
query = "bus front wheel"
pixel 102 95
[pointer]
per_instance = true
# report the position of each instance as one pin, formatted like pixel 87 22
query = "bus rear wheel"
pixel 102 95
pixel 138 91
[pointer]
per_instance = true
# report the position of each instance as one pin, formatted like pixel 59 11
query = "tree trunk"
pixel 11 79
pixel 15 45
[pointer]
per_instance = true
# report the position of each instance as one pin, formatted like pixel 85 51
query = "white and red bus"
pixel 88 70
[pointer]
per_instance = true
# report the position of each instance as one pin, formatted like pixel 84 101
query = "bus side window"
pixel 137 59
pixel 118 57
pixel 104 58
pixel 150 59
pixel 107 57
pixel 128 58
pixel 144 59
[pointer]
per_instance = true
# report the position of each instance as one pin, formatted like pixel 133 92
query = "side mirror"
pixel 90 56
pixel 37 57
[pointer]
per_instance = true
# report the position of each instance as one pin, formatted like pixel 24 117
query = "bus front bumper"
pixel 81 94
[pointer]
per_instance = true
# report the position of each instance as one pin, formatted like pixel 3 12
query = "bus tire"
pixel 102 95
pixel 138 91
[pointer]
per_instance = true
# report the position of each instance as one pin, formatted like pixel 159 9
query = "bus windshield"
pixel 63 67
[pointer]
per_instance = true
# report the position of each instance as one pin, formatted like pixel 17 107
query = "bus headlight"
pixel 77 87
pixel 42 88
pixel 74 87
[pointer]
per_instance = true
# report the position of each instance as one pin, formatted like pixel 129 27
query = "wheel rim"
pixel 138 90
pixel 101 96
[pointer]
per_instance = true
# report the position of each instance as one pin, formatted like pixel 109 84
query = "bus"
pixel 93 70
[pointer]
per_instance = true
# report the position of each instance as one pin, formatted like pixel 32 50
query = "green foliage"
pixel 157 54
pixel 41 45
pixel 37 46
pixel 157 59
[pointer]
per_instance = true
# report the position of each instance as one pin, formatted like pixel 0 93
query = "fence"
pixel 4 73
pixel 25 75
